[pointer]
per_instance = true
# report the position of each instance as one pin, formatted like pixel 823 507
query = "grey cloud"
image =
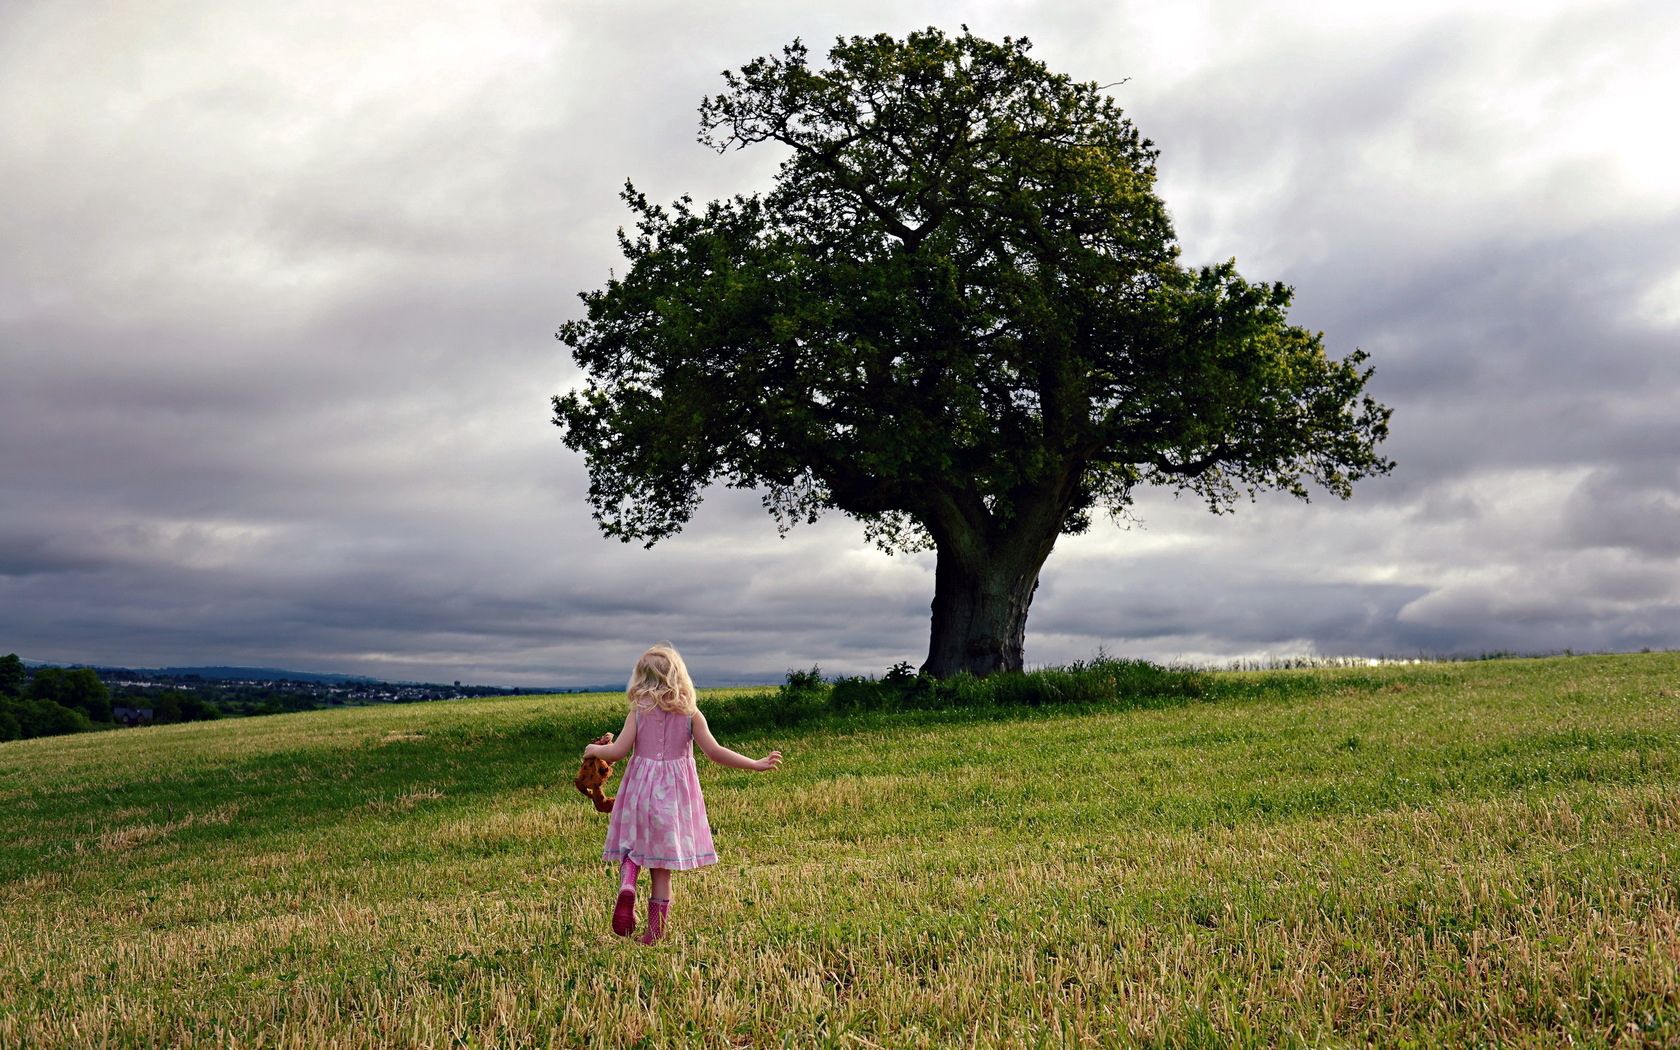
pixel 1633 509
pixel 41 555
pixel 278 338
pixel 1583 608
pixel 1244 614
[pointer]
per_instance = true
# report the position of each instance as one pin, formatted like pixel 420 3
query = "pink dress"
pixel 659 815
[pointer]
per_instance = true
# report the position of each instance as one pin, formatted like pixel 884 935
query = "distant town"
pixel 46 700
pixel 259 691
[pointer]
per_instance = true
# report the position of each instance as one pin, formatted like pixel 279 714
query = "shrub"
pixel 45 718
pixel 12 676
pixel 803 686
pixel 10 727
pixel 857 693
pixel 801 697
pixel 195 708
pixel 1141 680
pixel 1104 681
pixel 79 688
pixel 744 711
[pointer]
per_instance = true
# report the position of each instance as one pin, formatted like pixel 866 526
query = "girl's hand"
pixel 768 762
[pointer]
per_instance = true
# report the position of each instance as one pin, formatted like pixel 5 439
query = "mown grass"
pixel 1479 853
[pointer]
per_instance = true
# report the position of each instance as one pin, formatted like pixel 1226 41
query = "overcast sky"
pixel 279 282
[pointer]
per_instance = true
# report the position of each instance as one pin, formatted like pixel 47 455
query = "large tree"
pixel 958 316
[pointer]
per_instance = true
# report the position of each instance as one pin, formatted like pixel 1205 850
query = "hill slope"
pixel 1450 853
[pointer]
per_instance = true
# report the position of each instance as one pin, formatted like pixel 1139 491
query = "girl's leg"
pixel 624 910
pixel 659 904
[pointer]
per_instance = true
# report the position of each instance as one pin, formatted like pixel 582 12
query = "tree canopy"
pixel 79 688
pixel 959 316
pixel 12 675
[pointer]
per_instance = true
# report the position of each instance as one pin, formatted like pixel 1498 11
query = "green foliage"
pixel 44 718
pixel 803 689
pixel 1104 681
pixel 12 675
pixel 48 683
pixel 1119 684
pixel 54 702
pixel 198 709
pixel 180 705
pixel 799 699
pixel 79 688
pixel 960 310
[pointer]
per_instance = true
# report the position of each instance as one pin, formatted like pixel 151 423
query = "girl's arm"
pixel 725 757
pixel 619 747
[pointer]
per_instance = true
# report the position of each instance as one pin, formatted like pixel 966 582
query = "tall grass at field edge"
pixel 1103 683
pixel 806 695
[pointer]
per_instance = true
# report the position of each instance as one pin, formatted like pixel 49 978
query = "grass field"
pixel 1444 854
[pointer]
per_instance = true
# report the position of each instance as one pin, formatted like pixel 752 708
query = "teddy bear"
pixel 593 773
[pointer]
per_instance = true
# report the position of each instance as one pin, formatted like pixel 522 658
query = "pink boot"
pixel 657 911
pixel 624 912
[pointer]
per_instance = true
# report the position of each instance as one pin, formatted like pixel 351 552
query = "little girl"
pixel 659 817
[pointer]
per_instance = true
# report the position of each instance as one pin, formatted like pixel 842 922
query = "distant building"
pixel 131 716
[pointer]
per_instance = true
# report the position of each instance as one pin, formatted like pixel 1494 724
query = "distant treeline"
pixel 54 700
pixel 278 695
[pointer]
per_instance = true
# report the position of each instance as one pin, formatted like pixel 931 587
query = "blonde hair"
pixel 661 680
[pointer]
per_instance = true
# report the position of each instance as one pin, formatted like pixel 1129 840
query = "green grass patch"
pixel 1467 853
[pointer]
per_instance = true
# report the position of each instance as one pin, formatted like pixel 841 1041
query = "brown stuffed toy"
pixel 593 773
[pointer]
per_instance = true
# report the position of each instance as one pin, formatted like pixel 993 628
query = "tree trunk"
pixel 980 608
